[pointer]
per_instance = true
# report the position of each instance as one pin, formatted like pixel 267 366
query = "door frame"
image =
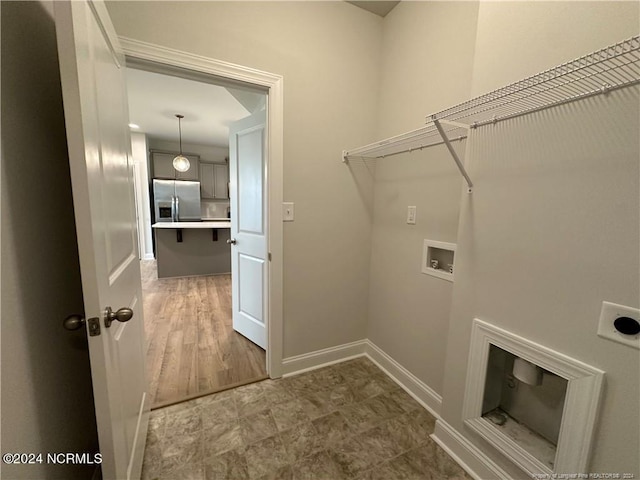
pixel 157 58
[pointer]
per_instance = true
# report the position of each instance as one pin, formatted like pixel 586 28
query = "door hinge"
pixel 94 326
pixel 269 256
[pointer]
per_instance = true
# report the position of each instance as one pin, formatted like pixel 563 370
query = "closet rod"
pixel 599 72
pixel 607 69
pixel 346 155
pixel 525 111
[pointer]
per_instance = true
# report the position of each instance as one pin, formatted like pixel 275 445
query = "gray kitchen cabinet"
pixel 207 181
pixel 214 178
pixel 162 163
pixel 221 175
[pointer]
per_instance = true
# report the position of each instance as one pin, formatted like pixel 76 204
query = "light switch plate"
pixel 287 211
pixel 608 314
pixel 411 215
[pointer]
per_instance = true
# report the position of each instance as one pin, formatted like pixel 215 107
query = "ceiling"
pixel 155 99
pixel 378 7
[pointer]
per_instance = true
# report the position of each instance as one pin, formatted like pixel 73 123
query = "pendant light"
pixel 180 162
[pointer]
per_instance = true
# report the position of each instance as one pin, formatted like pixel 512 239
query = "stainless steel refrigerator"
pixel 176 200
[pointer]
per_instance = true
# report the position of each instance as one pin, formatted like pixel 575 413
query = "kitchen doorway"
pixel 192 349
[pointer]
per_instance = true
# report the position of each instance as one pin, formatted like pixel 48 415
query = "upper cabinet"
pixel 207 181
pixel 221 174
pixel 162 164
pixel 214 180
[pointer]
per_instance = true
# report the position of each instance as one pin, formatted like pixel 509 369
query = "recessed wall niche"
pixel 525 402
pixel 537 406
pixel 438 259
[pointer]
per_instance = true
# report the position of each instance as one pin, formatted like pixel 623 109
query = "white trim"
pixel 415 387
pixel 322 358
pixel 580 408
pixel 189 61
pixel 137 450
pixel 420 391
pixel 466 454
pixel 140 162
pixel 143 51
pixel 149 256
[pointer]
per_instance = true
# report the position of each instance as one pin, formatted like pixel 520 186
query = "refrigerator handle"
pixel 173 208
pixel 177 209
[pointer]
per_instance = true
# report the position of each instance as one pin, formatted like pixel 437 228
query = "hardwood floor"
pixel 192 349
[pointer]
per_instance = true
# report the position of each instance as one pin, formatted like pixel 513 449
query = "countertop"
pixel 203 224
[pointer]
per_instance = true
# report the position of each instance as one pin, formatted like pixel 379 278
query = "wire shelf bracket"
pixel 597 73
pixel 453 153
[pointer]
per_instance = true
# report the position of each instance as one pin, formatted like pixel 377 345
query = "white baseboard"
pixel 467 455
pixel 415 387
pixel 420 391
pixel 149 256
pixel 322 358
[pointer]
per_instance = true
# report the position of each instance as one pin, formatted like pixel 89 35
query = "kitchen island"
pixel 192 248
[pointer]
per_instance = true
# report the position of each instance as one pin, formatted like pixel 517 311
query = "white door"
pixel 95 107
pixel 248 196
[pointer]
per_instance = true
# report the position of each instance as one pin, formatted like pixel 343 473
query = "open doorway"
pixel 193 347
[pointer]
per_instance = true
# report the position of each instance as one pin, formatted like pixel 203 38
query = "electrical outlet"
pixel 287 211
pixel 620 324
pixel 411 215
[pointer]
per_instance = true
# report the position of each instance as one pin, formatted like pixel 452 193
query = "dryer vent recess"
pixel 620 323
pixel 627 325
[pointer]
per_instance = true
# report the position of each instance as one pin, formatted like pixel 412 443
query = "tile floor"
pixel 345 421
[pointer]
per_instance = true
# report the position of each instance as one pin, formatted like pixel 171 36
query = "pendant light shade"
pixel 180 162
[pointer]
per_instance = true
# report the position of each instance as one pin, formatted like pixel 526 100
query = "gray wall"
pixel 420 74
pixel 552 228
pixel 47 403
pixel 328 53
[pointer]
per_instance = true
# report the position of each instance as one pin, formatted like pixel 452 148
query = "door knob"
pixel 121 315
pixel 232 241
pixel 73 322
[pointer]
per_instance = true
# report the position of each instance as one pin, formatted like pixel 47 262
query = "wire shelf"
pixel 418 139
pixel 599 72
